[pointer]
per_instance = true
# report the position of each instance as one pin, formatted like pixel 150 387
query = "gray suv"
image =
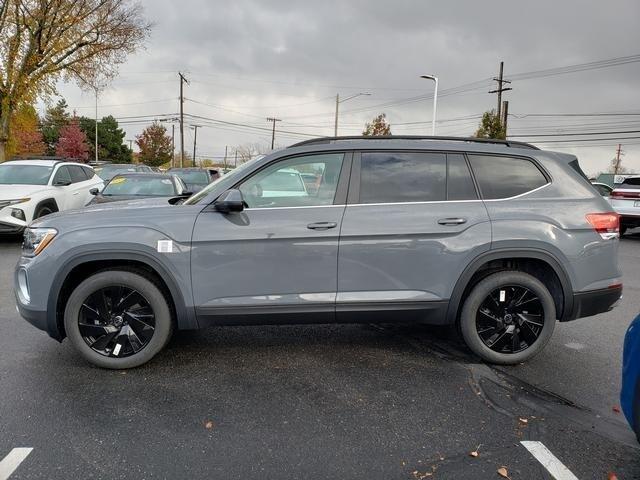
pixel 498 238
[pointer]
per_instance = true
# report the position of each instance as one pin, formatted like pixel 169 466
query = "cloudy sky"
pixel 247 60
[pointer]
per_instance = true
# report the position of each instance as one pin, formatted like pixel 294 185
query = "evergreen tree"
pixel 110 139
pixel 55 118
pixel 491 127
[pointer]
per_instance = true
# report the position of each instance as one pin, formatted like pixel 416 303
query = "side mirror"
pixel 186 194
pixel 62 183
pixel 230 201
pixel 94 191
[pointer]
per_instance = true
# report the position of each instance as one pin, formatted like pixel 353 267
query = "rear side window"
pixel 459 182
pixel 504 177
pixel 77 174
pixel 392 177
pixel 89 172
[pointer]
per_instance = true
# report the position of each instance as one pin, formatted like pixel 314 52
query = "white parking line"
pixel 12 461
pixel 549 461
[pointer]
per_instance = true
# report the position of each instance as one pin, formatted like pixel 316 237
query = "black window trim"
pixel 473 178
pixel 544 173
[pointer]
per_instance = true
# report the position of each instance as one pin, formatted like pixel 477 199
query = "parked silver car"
pixel 498 238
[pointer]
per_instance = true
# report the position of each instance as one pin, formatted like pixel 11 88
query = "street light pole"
pixel 435 101
pixel 96 146
pixel 338 102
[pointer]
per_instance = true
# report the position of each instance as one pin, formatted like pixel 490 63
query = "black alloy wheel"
pixel 510 319
pixel 116 321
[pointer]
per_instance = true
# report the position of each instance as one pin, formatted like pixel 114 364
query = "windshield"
pixel 234 175
pixel 24 174
pixel 109 171
pixel 193 177
pixel 140 186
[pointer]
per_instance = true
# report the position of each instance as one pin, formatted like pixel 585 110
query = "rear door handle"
pixel 452 221
pixel 322 225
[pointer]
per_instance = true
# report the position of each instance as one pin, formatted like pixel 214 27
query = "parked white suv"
pixel 30 189
pixel 625 200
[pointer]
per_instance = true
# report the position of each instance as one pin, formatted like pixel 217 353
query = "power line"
pixel 574 134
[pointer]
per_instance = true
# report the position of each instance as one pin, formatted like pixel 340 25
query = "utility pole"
pixel 500 89
pixel 130 145
pixel 235 160
pixel 273 132
pixel 173 144
pixel 619 153
pixel 195 141
pixel 183 80
pixel 225 156
pixel 505 115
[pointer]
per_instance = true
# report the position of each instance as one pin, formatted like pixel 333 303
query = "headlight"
pixel 7 203
pixel 36 240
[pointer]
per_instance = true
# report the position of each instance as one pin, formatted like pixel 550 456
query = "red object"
pixel 604 222
pixel 616 409
pixel 619 194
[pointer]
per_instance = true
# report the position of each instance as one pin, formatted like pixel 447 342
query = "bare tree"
pixel 43 41
pixel 248 151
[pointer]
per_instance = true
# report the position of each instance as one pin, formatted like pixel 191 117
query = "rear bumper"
pixel 594 302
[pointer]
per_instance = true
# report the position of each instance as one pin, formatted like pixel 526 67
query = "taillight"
pixel 606 224
pixel 619 194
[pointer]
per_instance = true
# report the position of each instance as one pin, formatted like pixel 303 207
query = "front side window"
pixel 390 177
pixel 296 182
pixel 505 177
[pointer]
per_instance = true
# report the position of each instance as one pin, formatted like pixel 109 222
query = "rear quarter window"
pixel 505 177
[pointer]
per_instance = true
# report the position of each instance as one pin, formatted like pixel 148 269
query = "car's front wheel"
pixel 118 319
pixel 508 317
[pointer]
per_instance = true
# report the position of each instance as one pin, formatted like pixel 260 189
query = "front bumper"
pixel 10 225
pixel 594 302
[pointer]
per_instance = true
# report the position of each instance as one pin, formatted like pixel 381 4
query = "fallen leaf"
pixel 502 471
pixel 616 409
pixel 523 420
pixel 208 425
pixel 476 452
pixel 612 476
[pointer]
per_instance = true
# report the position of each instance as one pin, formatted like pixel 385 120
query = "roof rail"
pixel 508 143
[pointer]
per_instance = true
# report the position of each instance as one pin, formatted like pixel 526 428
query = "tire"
pixel 78 315
pixel 42 211
pixel 473 320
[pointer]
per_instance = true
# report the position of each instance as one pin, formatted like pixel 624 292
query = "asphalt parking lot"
pixel 348 401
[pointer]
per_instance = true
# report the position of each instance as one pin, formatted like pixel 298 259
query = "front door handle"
pixel 322 225
pixel 452 221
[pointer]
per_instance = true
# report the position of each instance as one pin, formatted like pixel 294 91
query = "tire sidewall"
pixel 153 295
pixel 39 213
pixel 480 293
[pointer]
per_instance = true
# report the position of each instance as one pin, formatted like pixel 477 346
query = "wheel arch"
pixel 47 201
pixel 537 262
pixel 81 266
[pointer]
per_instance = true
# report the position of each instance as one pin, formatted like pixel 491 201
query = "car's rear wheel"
pixel 118 319
pixel 508 317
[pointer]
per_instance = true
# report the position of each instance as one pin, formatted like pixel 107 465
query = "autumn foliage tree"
pixel 27 138
pixel 491 127
pixel 155 145
pixel 72 143
pixel 379 126
pixel 43 41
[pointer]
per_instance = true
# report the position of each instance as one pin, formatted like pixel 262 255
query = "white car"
pixel 30 189
pixel 625 200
